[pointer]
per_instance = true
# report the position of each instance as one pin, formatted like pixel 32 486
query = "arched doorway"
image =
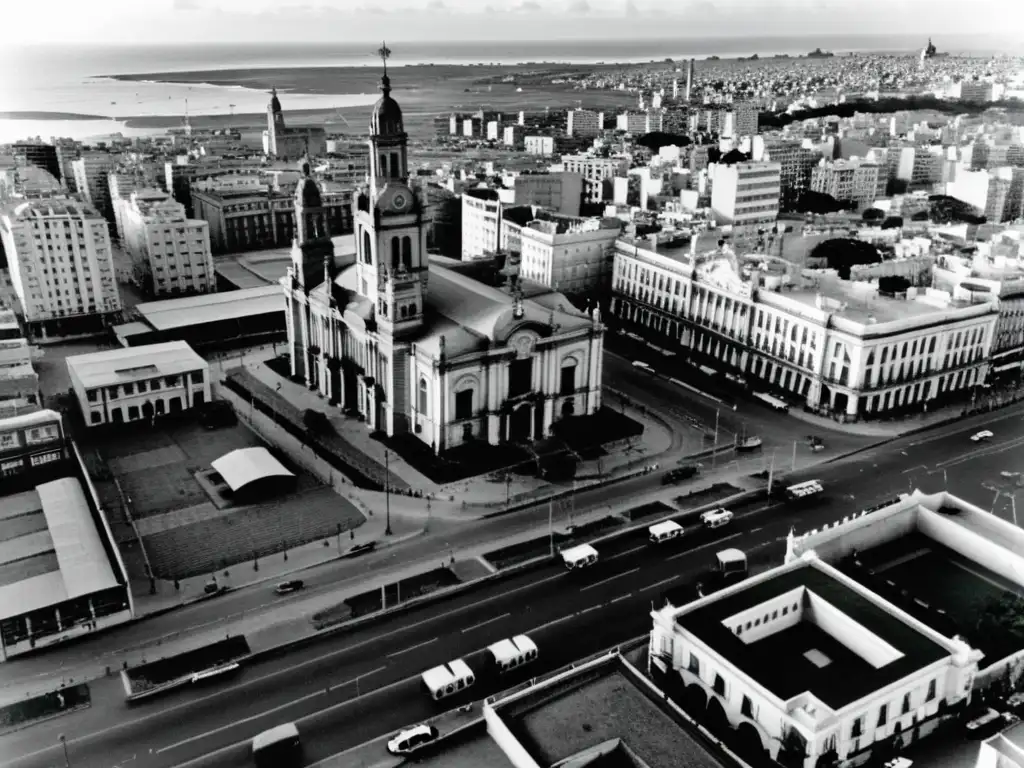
pixel 519 424
pixel 695 701
pixel 748 743
pixel 568 408
pixel 715 720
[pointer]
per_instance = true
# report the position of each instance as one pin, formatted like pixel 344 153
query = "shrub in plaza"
pixel 47 705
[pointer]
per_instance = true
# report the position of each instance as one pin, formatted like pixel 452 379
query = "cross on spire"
pixel 385 53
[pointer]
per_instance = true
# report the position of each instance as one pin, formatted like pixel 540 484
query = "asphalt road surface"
pixel 349 689
pixel 679 407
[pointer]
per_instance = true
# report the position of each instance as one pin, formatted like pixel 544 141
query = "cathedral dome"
pixel 386 117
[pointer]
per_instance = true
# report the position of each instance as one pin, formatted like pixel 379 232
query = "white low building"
pixel 137 383
pixel 803 661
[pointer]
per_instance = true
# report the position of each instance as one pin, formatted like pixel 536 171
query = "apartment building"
pixel 19 382
pixel 481 223
pixel 638 123
pixel 850 180
pixel 837 347
pixel 61 266
pixel 918 168
pixel 170 253
pixel 121 186
pixel 584 122
pixel 138 383
pixel 796 165
pixel 744 119
pixel 568 254
pixel 746 195
pixel 996 193
pixel 595 171
pixel 258 216
pixel 540 145
pixel 848 668
pixel 559 192
pixel 977 91
pixel 91 173
pixel 40 155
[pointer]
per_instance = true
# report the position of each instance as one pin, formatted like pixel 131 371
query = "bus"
pixel 279 747
pixel 448 679
pixel 805 490
pixel 580 556
pixel 642 366
pixel 772 402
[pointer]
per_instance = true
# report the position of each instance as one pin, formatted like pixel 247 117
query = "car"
pixel 412 739
pixel 716 517
pixel 362 549
pixel 983 435
pixel 287 587
pixel 679 474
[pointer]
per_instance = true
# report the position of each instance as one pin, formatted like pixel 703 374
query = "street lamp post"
pixel 714 448
pixel 387 491
pixel 64 743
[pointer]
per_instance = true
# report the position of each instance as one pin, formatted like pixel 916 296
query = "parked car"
pixel 716 517
pixel 362 549
pixel 679 474
pixel 981 436
pixel 287 587
pixel 410 740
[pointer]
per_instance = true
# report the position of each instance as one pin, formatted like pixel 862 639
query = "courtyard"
pixel 151 473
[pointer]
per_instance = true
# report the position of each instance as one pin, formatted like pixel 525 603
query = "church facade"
pixel 412 346
pixel 284 143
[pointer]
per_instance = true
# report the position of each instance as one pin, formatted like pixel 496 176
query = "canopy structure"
pixel 246 469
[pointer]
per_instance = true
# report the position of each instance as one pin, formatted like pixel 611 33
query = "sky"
pixel 182 21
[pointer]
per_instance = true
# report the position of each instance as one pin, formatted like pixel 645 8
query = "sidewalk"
pixel 286 621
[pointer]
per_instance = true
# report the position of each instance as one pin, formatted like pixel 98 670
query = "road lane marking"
pixel 663 582
pixel 588 610
pixel 627 552
pixel 412 647
pixel 621 597
pixel 283 671
pixel 485 623
pixel 610 578
pixel 705 546
pixel 278 708
pixel 552 623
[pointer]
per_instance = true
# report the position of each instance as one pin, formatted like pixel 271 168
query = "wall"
pixel 515 752
pixel 861 532
pixel 768 618
pixel 856 637
pixel 971 545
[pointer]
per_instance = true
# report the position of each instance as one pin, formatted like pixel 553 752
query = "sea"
pixel 54 82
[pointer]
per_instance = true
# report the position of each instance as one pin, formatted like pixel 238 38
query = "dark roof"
pixel 789 673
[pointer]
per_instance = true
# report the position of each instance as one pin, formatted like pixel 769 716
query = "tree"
pixel 655 140
pixel 873 214
pixel 920 216
pixel 893 284
pixel 316 422
pixel 842 253
pixel 829 756
pixel 793 749
pixel 1000 616
pixel 892 222
pixel 818 202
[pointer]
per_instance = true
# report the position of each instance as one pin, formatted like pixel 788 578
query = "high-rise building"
pixel 62 266
pixel 584 122
pixel 40 155
pixel 560 192
pixel 481 223
pixel 170 253
pixel 568 254
pixel 849 180
pixel 746 194
pixel 796 162
pixel 92 180
pixel 689 81
pixel 595 171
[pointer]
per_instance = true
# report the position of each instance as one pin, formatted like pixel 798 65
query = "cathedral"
pixel 412 346
pixel 285 143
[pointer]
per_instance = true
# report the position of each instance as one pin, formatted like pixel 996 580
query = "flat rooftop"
pixel 169 314
pixel 100 369
pixel 860 301
pixel 50 549
pixel 801 606
pixel 1010 744
pixel 473 750
pixel 602 707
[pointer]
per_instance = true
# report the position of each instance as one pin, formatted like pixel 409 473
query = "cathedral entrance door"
pixel 519 424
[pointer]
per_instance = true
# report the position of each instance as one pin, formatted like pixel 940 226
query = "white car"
pixel 983 435
pixel 716 517
pixel 410 740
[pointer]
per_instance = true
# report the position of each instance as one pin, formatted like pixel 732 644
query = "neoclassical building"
pixel 288 143
pixel 414 346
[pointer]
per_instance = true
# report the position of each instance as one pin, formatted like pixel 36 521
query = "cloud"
pixel 579 6
pixel 186 5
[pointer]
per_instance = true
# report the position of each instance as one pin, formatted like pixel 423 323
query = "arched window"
pixel 403 311
pixel 384 166
pixel 567 385
pixel 395 166
pixel 407 252
pixel 367 248
pixel 412 310
pixel 394 253
pixel 423 396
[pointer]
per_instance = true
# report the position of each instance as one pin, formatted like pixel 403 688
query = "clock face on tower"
pixel 400 202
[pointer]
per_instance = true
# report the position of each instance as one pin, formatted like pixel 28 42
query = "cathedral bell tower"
pixel 312 250
pixel 275 123
pixel 391 233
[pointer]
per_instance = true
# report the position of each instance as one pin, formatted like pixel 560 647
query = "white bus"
pixel 804 490
pixel 579 556
pixel 448 679
pixel 642 366
pixel 513 653
pixel 279 747
pixel 773 402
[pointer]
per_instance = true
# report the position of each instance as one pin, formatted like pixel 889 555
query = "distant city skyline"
pixel 170 21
